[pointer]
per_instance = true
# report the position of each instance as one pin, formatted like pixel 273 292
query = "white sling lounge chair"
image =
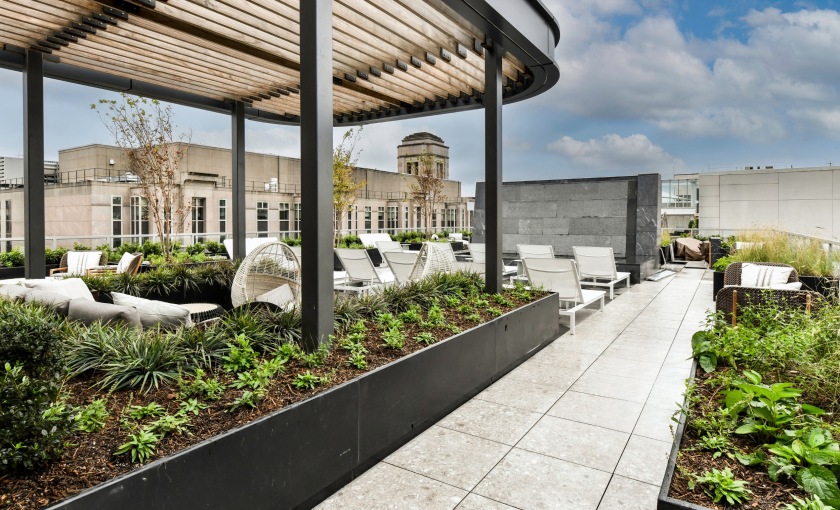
pixel 560 276
pixel 596 267
pixel 535 251
pixel 401 264
pixel 361 272
pixel 478 253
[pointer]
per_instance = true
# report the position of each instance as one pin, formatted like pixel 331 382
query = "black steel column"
pixel 33 165
pixel 237 152
pixel 316 122
pixel 493 165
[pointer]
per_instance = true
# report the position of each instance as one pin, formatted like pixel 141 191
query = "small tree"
pixel 427 189
pixel 144 128
pixel 345 186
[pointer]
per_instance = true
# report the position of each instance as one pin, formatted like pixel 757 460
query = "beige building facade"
pixel 96 199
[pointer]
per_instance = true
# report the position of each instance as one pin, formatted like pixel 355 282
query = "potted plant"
pixel 717 278
pixel 664 246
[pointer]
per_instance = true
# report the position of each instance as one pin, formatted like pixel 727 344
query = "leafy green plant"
pixel 169 423
pixel 358 360
pixel 306 381
pixel 812 503
pixel 241 356
pixel 394 338
pixel 435 316
pixel 248 398
pixel 719 444
pixel 412 315
pixel 141 446
pixel 150 409
pixel 137 360
pixel 722 263
pixel 425 338
pixel 208 388
pixel 473 317
pixel 92 418
pixel 315 358
pixel 191 406
pixel 502 300
pixel 359 327
pixel 722 485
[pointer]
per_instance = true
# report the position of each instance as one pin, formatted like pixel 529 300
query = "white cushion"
pixel 281 296
pixel 78 262
pixel 787 286
pixel 69 287
pixel 755 275
pixel 125 260
pixel 153 313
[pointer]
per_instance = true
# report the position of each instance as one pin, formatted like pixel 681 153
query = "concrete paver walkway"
pixel 583 425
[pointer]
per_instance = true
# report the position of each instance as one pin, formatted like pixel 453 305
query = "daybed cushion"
pixel 88 312
pixel 755 275
pixel 787 286
pixel 282 296
pixel 153 313
pixel 58 302
pixel 14 292
pixel 70 287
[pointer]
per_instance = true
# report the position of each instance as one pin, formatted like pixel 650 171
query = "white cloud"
pixel 613 152
pixel 722 88
pixel 825 122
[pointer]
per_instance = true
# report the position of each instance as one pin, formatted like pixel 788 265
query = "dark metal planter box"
pixel 825 286
pixel 299 455
pixel 7 273
pixel 717 283
pixel 666 502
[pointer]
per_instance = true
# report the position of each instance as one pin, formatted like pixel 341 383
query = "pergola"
pixel 317 63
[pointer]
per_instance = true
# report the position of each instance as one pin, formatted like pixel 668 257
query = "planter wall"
pixel 717 282
pixel 666 502
pixel 20 271
pixel 825 286
pixel 299 455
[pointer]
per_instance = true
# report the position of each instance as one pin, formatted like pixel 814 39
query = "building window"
pixel 405 225
pixel 393 216
pixel 367 219
pixel 116 221
pixel 262 219
pixel 283 215
pixel 439 170
pixel 198 216
pixel 450 218
pixel 418 218
pixel 222 219
pixel 381 218
pixel 434 218
pixel 8 224
pixel 139 218
pixel 297 220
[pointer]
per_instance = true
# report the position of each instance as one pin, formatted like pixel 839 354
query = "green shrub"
pixel 30 384
pixel 13 258
pixel 54 256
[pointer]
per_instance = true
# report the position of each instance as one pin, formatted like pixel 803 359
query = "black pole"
pixel 316 122
pixel 493 165
pixel 237 152
pixel 34 229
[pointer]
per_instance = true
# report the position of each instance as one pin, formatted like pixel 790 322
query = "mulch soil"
pixel 693 459
pixel 90 459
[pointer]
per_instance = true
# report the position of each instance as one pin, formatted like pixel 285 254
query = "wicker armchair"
pixel 131 267
pixel 264 269
pixel 733 296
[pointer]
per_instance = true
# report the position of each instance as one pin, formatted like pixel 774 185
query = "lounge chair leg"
pixel 572 322
pixel 602 303
pixel 611 291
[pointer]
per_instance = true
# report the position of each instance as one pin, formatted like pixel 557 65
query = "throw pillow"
pixel 58 302
pixel 153 313
pixel 88 312
pixel 125 261
pixel 70 287
pixel 756 275
pixel 282 296
pixel 78 262
pixel 14 292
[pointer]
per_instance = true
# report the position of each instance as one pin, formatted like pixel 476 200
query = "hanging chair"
pixel 266 268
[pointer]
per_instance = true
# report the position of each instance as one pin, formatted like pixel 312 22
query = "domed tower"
pixel 412 149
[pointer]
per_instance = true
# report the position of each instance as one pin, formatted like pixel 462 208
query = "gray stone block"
pixel 479 195
pixel 555 226
pixel 529 209
pixel 647 219
pixel 647 244
pixel 592 209
pixel 531 226
pixel 598 226
pixel 649 189
pixel 509 242
pixel 510 226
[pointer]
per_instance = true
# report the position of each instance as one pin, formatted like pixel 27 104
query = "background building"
pixel 94 198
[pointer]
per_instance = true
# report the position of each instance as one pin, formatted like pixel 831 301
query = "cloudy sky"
pixel 667 86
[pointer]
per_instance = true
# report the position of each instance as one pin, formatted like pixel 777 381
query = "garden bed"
pixel 298 443
pixel 761 429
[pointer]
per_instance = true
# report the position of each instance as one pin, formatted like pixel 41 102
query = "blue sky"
pixel 646 86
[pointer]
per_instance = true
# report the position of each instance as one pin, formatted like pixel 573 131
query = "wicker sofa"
pixel 734 295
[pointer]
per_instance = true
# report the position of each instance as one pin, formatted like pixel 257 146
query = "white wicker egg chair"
pixel 266 268
pixel 433 258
